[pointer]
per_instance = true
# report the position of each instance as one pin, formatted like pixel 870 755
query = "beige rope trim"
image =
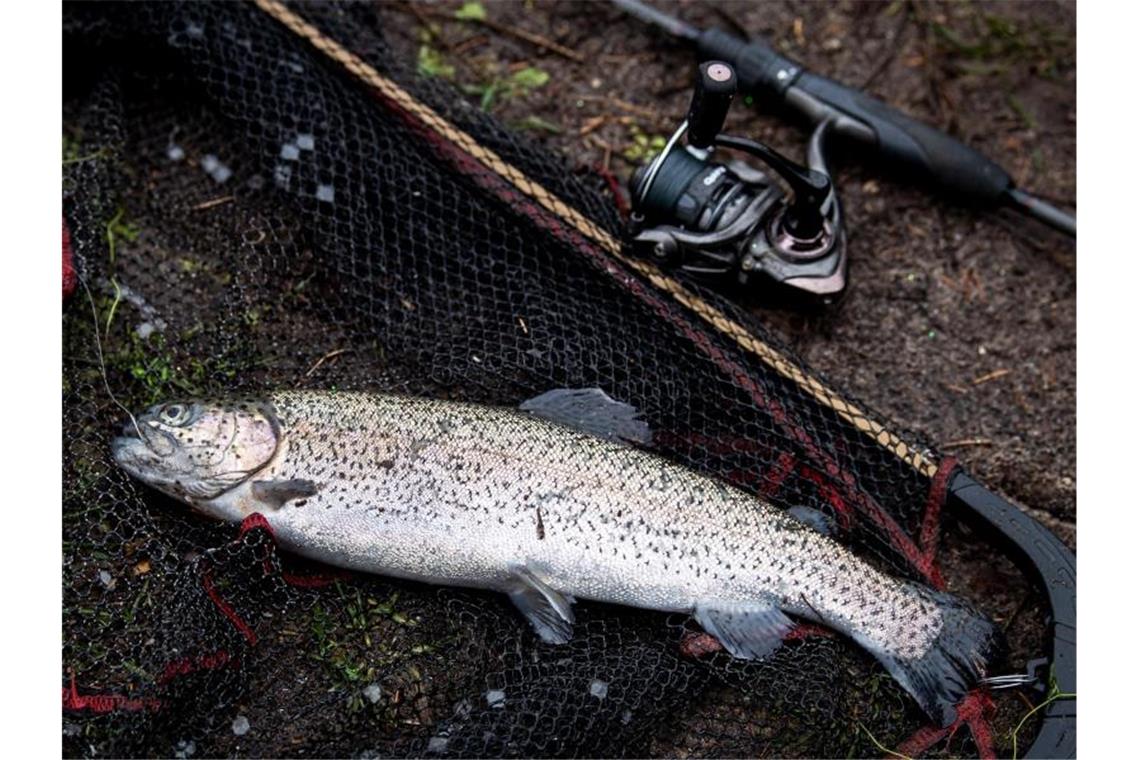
pixel 706 311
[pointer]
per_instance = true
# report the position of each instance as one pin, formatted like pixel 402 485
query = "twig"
pixel 211 203
pixel 1054 695
pixel 728 18
pixel 892 49
pixel 991 376
pixel 607 149
pixel 511 31
pixel 625 106
pixel 968 442
pixel 114 307
pixel 591 124
pixel 474 40
pixel 880 747
pixel 534 39
pixel 326 357
pixel 431 28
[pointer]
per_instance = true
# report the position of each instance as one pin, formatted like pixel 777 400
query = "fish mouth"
pixel 125 449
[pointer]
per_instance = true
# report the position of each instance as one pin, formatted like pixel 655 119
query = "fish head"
pixel 197 450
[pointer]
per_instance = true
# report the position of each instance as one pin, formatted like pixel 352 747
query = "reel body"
pixel 727 220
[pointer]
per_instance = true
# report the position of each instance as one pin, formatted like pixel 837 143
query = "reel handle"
pixel 712 96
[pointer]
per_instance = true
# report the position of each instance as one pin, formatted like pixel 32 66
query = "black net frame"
pixel 258 197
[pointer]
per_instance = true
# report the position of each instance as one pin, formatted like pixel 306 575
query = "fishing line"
pixel 103 364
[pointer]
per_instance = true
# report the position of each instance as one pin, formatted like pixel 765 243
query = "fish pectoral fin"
pixel 750 631
pixel 275 493
pixel 549 611
pixel 591 411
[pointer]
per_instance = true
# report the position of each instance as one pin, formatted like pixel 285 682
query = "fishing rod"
pixel 925 154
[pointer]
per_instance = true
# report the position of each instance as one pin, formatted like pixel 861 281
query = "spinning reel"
pixel 729 220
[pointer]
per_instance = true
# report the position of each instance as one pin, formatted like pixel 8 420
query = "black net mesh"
pixel 247 215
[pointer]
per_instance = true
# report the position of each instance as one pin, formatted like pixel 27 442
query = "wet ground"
pixel 958 324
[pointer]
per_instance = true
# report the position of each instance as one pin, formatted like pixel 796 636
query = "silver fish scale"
pixel 459 494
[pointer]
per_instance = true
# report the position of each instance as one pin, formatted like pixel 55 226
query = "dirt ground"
pixel 957 323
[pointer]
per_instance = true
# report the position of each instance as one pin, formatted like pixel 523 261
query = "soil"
pixel 957 323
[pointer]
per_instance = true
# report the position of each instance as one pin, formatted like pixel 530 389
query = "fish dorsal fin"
pixel 275 493
pixel 591 411
pixel 750 631
pixel 549 611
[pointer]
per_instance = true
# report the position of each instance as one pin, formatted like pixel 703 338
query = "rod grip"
pixel 923 153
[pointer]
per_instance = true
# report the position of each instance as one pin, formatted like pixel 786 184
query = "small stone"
pixel 145 330
pixel 325 193
pixel 496 698
pixel 372 692
pixel 626 717
pixel 106 579
pixel 213 166
pixel 599 689
pixel 175 152
pixel 290 152
pixel 981 350
pixel 595 83
pixel 832 44
pixel 241 725
pixel 437 744
pixel 184 749
pixel 305 142
pixel 282 175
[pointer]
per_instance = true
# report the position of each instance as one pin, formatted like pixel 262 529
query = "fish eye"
pixel 175 414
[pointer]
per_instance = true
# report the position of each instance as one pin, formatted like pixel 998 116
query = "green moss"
pixel 363 637
pixel 642 147
pixel 431 63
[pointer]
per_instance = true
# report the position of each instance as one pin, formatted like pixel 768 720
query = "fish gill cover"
pixel 259 197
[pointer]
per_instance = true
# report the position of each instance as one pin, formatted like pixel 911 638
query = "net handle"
pixel 1055 572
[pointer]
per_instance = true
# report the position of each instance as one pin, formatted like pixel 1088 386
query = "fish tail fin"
pixel 953 664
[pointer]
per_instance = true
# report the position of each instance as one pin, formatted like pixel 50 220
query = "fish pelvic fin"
pixel 748 630
pixel 957 659
pixel 549 611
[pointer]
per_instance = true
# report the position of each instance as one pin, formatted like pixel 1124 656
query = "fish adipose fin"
pixel 748 631
pixel 957 660
pixel 275 493
pixel 591 411
pixel 814 519
pixel 548 610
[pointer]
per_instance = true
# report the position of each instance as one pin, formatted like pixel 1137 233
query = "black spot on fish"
pixel 539 527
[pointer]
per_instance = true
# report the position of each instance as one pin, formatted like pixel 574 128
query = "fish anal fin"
pixel 275 493
pixel 548 610
pixel 749 630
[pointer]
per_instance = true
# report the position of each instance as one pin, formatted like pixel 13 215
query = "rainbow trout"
pixel 514 501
